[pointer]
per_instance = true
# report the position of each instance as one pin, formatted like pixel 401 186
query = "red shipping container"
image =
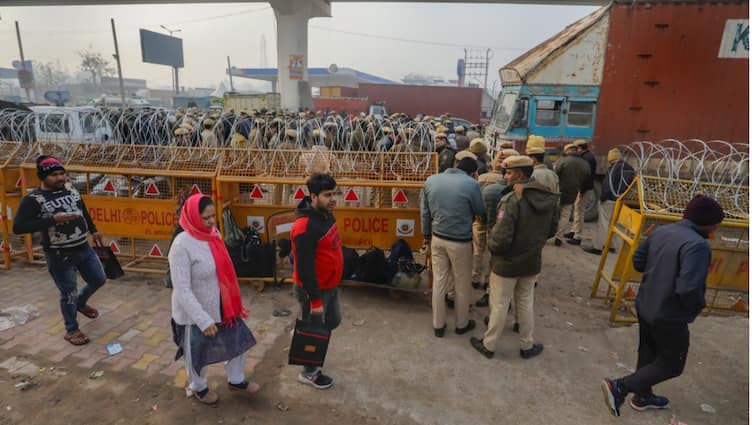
pixel 663 77
pixel 460 102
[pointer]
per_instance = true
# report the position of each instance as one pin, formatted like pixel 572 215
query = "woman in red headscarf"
pixel 208 318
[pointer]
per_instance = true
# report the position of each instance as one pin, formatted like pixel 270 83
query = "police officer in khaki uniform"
pixel 541 173
pixel 585 195
pixel 289 142
pixel 462 141
pixel 181 137
pixel 527 217
pixel 481 259
pixel 209 139
pixel 479 148
pixel 572 173
pixel 445 153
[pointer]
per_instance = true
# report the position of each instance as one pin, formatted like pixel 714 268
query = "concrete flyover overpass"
pixel 292 18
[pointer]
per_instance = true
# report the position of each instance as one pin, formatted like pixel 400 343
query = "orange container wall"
pixel 663 77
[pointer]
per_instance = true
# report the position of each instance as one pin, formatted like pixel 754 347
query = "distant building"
pixel 427 80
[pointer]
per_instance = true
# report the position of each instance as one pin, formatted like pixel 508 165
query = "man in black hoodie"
pixel 56 210
pixel 318 262
pixel 674 262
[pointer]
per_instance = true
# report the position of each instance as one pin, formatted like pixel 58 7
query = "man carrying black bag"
pixel 318 263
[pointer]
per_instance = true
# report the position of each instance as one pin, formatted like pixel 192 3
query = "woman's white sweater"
pixel 196 295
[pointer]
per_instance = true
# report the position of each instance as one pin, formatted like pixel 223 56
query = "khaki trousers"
pixel 563 222
pixel 481 259
pixel 580 205
pixel 502 290
pixel 452 269
pixel 605 211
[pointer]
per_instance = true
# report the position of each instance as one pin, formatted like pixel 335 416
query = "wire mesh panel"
pixel 132 192
pixel 652 201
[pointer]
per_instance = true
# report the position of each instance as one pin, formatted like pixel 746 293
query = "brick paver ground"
pixel 134 311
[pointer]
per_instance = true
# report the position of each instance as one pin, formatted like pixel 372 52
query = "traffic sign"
pixel 351 196
pixel 256 193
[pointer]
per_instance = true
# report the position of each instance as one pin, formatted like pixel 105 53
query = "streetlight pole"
pixel 174 71
pixel 117 57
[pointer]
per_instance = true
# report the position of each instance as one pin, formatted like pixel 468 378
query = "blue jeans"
pixel 63 267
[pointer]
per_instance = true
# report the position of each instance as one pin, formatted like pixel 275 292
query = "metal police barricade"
pixel 131 193
pixel 378 194
pixel 12 246
pixel 654 201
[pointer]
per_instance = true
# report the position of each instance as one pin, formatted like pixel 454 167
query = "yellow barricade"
pixel 131 192
pixel 12 154
pixel 378 192
pixel 654 201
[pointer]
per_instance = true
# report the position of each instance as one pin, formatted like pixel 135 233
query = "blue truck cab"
pixel 560 113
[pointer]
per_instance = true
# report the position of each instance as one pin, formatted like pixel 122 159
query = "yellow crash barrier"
pixel 653 201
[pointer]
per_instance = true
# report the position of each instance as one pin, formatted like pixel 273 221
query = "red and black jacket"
pixel 318 259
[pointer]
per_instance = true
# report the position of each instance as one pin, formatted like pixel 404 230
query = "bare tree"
pixel 51 75
pixel 95 64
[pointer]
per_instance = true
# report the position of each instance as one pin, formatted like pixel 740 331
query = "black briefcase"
pixel 309 344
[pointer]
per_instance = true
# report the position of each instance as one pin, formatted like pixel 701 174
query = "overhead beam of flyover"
pixel 292 17
pixel 128 2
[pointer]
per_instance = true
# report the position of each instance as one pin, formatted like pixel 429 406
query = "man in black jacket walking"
pixel 56 210
pixel 674 261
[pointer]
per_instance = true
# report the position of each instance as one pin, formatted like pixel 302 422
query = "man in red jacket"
pixel 318 262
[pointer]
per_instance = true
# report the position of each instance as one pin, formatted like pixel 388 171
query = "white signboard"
pixel 735 42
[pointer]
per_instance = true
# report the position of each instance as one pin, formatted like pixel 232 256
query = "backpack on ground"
pixel 372 267
pixel 350 263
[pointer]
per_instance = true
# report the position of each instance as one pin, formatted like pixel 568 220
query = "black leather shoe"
pixel 477 285
pixel 569 235
pixel 558 242
pixel 532 352
pixel 591 250
pixel 486 320
pixel 574 241
pixel 439 332
pixel 480 347
pixel 612 250
pixel 465 329
pixel 516 327
pixel 484 301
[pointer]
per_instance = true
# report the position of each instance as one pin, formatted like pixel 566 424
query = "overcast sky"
pixel 369 37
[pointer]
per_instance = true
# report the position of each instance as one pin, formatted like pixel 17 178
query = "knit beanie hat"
pixel 47 165
pixel 704 211
pixel 468 165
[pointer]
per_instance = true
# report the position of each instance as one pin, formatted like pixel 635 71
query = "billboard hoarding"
pixel 161 49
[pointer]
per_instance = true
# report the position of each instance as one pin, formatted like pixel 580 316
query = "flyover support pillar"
pixel 292 17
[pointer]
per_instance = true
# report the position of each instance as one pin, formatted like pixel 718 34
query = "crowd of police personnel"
pixel 303 130
pixel 488 231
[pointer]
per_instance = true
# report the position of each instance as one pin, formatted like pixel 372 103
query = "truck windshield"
pixel 504 110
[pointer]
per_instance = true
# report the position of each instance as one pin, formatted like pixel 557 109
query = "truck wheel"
pixel 591 212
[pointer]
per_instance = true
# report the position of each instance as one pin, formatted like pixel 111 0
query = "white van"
pixel 75 124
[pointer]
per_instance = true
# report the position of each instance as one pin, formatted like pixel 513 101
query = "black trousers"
pixel 661 355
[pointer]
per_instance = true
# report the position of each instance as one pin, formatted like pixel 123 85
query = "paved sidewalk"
pixel 134 311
